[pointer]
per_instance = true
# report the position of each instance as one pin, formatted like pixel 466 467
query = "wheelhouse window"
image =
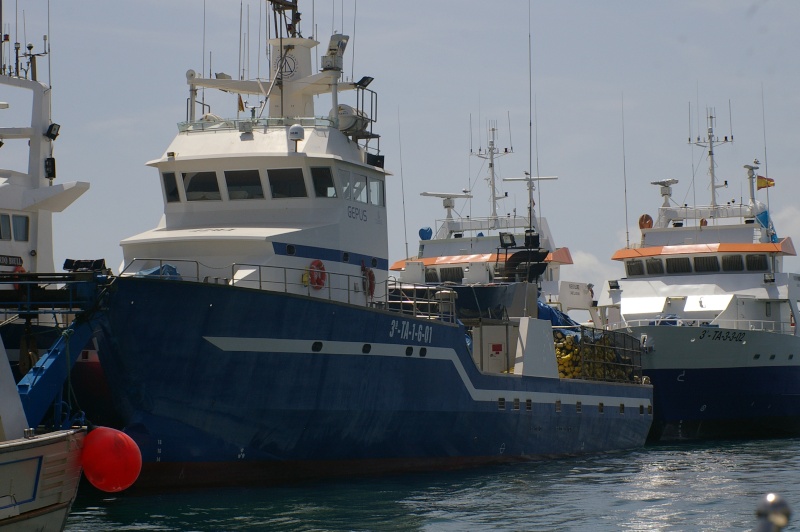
pixel 243 184
pixel 634 267
pixel 201 186
pixel 20 224
pixel 344 181
pixel 376 195
pixel 359 188
pixel 323 183
pixel 679 265
pixel 732 263
pixel 706 264
pixel 757 263
pixel 5 227
pixel 170 187
pixel 287 183
pixel 654 266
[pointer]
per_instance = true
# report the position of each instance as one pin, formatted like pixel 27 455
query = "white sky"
pixel 118 74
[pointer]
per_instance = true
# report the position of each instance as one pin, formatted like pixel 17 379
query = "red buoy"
pixel 111 460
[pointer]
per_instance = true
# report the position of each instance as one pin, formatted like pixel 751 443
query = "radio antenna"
pixel 402 181
pixel 625 174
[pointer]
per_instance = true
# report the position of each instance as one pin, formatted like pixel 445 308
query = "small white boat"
pixel 39 473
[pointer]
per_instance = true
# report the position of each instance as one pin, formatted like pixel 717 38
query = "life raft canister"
pixel 316 274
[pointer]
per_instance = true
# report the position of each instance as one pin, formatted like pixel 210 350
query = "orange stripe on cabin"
pixel 783 247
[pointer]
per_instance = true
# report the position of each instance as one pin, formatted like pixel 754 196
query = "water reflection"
pixel 680 487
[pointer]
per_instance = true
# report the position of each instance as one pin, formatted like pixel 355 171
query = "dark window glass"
pixel 679 265
pixel 732 263
pixel 287 183
pixel 170 187
pixel 655 266
pixel 757 263
pixel 453 273
pixel 5 227
pixel 20 224
pixel 323 183
pixel 431 275
pixel 243 184
pixel 706 264
pixel 634 267
pixel 201 186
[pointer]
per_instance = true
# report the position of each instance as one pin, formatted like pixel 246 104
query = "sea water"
pixel 709 486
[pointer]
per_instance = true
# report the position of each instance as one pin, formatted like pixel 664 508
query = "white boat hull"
pixel 39 480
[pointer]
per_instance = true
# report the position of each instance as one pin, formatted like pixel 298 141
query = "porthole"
pixel 366 348
pixel 409 351
pixel 316 347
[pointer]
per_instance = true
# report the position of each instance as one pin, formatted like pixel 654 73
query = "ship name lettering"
pixel 406 330
pixel 723 336
pixel 357 214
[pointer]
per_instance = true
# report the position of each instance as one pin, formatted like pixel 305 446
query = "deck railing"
pixel 781 327
pixel 243 124
pixel 414 300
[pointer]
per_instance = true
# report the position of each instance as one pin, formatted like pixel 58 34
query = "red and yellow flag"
pixel 764 182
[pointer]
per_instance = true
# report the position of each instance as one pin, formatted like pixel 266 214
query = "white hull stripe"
pixel 269 345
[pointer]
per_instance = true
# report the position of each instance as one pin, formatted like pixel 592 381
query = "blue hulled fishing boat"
pixel 255 335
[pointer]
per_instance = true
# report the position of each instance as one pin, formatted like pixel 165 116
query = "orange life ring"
pixel 18 269
pixel 316 274
pixel 369 281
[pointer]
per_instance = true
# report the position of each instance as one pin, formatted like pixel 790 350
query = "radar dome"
pixel 297 132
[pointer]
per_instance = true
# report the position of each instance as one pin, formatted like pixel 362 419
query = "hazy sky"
pixel 442 70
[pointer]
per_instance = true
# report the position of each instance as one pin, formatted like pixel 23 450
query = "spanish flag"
pixel 241 108
pixel 765 182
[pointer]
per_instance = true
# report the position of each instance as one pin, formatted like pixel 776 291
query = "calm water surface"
pixel 679 487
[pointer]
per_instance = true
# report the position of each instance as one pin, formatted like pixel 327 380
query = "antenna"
pixel 709 142
pixel 529 179
pixel 625 174
pixel 510 142
pixel 402 182
pixel 764 129
pixel 492 152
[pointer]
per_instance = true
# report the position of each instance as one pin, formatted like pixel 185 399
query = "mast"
pixel 709 143
pixel 491 153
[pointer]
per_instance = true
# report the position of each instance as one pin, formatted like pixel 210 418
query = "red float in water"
pixel 111 459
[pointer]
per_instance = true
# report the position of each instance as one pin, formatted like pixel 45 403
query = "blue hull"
pixel 725 403
pixel 224 385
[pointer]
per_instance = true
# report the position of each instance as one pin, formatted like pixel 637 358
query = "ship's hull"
pixel 715 383
pixel 40 477
pixel 226 385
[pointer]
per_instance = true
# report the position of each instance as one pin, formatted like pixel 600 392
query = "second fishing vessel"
pixel 706 292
